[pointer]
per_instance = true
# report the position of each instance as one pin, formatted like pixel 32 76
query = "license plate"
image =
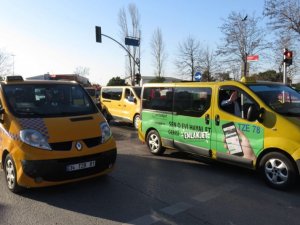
pixel 81 166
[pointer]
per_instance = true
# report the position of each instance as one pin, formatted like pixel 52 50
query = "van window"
pixel 158 98
pixel 44 100
pixel 192 101
pixel 112 93
pixel 235 101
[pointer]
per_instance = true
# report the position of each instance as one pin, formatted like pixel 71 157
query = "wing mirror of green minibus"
pixel 253 113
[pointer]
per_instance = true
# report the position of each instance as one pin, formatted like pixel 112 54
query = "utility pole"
pixel 128 41
pixel 244 43
pixel 245 65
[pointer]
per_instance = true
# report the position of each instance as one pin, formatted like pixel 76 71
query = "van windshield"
pixel 47 100
pixel 282 99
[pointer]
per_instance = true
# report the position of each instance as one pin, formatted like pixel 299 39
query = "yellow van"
pixel 248 123
pixel 121 103
pixel 51 133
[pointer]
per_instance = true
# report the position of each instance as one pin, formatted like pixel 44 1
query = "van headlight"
pixel 105 131
pixel 34 138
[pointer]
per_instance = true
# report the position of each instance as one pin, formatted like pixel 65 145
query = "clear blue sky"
pixel 58 36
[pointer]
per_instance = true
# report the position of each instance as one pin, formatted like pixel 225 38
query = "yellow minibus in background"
pixel 121 103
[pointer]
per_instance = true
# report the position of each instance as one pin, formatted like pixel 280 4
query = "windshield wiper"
pixel 23 112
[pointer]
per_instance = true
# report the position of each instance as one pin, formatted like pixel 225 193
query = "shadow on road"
pixel 141 184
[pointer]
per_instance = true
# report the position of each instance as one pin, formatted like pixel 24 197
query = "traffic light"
pixel 98 34
pixel 137 78
pixel 288 57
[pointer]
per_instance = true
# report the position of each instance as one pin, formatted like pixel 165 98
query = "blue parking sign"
pixel 197 76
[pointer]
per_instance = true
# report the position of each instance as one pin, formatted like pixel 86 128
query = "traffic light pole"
pixel 99 39
pixel 284 73
pixel 135 61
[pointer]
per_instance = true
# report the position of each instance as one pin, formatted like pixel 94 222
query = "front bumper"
pixel 55 170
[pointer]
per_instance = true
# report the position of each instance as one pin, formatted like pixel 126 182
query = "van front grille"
pixel 67 145
pixel 92 142
pixel 61 146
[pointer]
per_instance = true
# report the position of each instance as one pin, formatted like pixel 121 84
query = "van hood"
pixel 65 128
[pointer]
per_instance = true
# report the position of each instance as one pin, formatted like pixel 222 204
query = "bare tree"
pixel 158 52
pixel 188 57
pixel 208 64
pixel 242 37
pixel 82 71
pixel 284 15
pixel 134 32
pixel 5 65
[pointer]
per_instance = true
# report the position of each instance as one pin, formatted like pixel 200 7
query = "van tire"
pixel 154 143
pixel 11 174
pixel 136 120
pixel 277 170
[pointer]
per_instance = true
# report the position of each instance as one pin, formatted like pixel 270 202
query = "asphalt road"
pixel 145 189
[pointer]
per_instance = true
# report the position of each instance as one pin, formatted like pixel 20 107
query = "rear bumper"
pixel 55 170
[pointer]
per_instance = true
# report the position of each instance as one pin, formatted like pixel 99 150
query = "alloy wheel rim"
pixel 153 142
pixel 136 122
pixel 10 174
pixel 276 171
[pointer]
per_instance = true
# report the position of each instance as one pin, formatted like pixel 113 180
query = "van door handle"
pixel 207 119
pixel 217 120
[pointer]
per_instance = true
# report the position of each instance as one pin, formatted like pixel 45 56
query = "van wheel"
pixel 154 143
pixel 277 170
pixel 136 121
pixel 11 174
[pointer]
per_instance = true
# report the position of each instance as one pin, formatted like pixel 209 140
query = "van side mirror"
pixel 253 113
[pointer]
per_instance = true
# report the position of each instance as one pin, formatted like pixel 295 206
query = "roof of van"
pixel 37 82
pixel 227 82
pixel 121 86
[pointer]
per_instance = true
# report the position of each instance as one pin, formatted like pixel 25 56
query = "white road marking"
pixel 176 208
pixel 144 220
pixel 172 210
pixel 213 193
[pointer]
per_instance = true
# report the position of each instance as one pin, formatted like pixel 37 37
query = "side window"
pixel 112 93
pixel 192 101
pixel 158 98
pixel 235 101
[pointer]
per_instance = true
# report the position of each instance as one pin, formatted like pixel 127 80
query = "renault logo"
pixel 78 146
